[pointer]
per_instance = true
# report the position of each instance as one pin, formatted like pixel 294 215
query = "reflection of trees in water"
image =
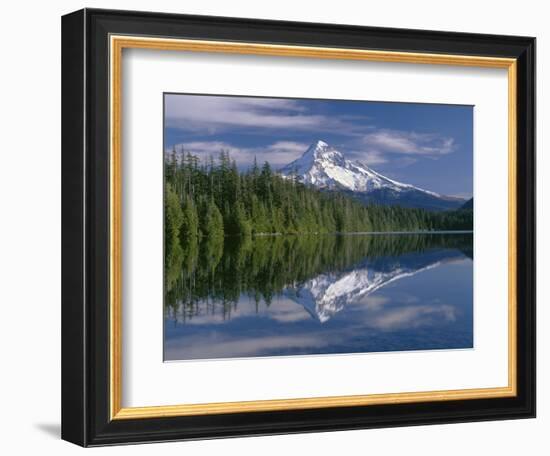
pixel 209 276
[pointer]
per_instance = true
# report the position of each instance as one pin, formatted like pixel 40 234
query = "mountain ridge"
pixel 326 168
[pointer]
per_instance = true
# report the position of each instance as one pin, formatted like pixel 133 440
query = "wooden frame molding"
pixel 116 46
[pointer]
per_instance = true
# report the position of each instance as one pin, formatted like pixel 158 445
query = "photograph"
pixel 298 226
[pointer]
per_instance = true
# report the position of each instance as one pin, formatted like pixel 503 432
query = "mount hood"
pixel 326 168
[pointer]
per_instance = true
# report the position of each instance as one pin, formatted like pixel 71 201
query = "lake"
pixel 325 294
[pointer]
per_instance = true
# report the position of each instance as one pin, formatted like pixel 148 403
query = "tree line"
pixel 214 199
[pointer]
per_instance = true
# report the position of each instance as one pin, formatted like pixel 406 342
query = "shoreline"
pixel 360 233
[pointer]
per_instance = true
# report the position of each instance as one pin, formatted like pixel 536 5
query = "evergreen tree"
pixel 241 225
pixel 212 221
pixel 173 217
pixel 189 230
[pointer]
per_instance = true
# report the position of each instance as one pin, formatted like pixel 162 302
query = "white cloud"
pixel 202 147
pixel 370 157
pixel 280 309
pixel 277 154
pixel 409 143
pixel 282 152
pixel 213 113
pixel 290 146
pixel 413 317
pixel 241 347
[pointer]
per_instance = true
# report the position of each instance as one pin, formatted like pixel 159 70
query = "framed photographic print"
pixel 278 227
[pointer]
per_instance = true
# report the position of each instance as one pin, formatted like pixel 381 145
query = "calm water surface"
pixel 303 295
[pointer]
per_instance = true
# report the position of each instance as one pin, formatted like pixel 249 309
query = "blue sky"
pixel 427 145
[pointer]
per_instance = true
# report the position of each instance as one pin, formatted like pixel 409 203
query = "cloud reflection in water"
pixel 414 301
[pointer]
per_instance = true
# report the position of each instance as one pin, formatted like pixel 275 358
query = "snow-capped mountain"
pixel 329 293
pixel 325 167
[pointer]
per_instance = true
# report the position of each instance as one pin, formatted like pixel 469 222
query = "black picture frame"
pixel 85 228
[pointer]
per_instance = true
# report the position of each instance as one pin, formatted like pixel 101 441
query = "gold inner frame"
pixel 117 44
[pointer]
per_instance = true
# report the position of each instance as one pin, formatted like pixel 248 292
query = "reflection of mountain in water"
pixel 322 273
pixel 327 294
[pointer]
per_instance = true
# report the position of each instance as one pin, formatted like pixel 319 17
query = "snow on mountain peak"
pixel 320 151
pixel 321 143
pixel 323 166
